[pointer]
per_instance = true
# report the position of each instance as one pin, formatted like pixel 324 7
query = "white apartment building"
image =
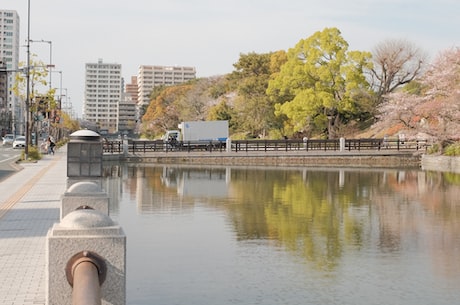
pixel 11 118
pixel 103 93
pixel 152 76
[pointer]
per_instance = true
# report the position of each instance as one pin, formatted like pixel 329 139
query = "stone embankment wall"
pixel 333 160
pixel 378 160
pixel 441 163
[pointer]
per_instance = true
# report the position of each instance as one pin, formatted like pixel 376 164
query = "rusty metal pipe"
pixel 85 272
pixel 86 287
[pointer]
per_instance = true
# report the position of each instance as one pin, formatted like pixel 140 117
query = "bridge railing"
pixel 142 146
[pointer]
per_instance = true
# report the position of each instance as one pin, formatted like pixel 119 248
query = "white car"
pixel 19 142
pixel 8 139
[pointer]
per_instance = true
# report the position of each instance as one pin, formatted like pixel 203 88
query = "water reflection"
pixel 342 224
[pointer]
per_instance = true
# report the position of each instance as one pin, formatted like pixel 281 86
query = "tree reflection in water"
pixel 312 213
pixel 316 214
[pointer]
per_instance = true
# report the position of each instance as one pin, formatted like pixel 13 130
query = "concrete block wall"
pixel 441 163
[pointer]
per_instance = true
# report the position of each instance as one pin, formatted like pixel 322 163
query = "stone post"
pixel 125 146
pixel 84 155
pixel 228 145
pixel 342 144
pixel 86 233
pixel 84 194
pixel 86 251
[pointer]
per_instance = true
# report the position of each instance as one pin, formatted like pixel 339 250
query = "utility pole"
pixel 26 148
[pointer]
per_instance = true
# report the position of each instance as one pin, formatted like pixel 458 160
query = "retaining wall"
pixel 441 163
pixel 336 160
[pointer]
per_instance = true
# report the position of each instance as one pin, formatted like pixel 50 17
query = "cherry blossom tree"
pixel 434 110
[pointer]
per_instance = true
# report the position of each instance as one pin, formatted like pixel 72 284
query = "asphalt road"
pixel 8 157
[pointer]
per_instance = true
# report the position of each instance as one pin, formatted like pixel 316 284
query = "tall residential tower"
pixel 152 76
pixel 103 93
pixel 10 110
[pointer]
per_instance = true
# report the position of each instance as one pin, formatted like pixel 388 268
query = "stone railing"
pixel 86 250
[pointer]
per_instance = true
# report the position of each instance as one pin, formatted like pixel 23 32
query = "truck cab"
pixel 171 139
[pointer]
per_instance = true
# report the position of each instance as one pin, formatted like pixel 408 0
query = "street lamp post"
pixel 50 66
pixel 60 82
pixel 59 105
pixel 26 146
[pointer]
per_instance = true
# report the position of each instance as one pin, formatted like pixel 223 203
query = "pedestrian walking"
pixel 51 145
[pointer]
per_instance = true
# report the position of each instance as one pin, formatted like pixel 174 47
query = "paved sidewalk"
pixel 29 206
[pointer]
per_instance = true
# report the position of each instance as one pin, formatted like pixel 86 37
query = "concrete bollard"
pixel 342 144
pixel 125 146
pixel 228 145
pixel 86 231
pixel 84 193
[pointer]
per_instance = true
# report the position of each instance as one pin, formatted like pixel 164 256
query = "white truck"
pixel 198 135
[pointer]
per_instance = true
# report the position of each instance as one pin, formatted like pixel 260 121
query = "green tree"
pixel 222 98
pixel 322 84
pixel 163 112
pixel 250 78
pixel 221 111
pixel 38 89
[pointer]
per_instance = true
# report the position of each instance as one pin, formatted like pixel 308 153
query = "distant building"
pixel 126 116
pixel 11 112
pixel 131 89
pixel 150 77
pixel 127 108
pixel 103 94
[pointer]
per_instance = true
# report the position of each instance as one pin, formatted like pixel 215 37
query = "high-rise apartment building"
pixel 127 108
pixel 103 93
pixel 131 89
pixel 10 108
pixel 152 76
pixel 126 115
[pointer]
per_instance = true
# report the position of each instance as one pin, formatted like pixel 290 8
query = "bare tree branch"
pixel 396 63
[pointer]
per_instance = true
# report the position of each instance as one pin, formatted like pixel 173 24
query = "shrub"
pixel 62 142
pixel 433 149
pixel 452 150
pixel 34 154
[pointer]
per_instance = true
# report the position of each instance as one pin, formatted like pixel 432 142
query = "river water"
pixel 272 236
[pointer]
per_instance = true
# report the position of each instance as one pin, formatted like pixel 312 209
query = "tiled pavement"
pixel 29 206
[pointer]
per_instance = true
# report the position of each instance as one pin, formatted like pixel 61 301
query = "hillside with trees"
pixel 321 89
pixel 428 107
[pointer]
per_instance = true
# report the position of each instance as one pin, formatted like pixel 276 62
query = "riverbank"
pixel 364 159
pixel 367 159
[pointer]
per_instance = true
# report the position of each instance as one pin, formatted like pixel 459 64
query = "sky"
pixel 210 35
